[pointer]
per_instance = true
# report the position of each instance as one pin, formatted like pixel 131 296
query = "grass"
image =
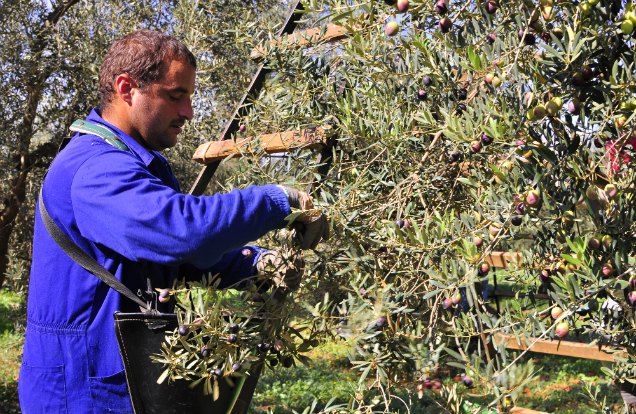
pixel 295 388
pixel 559 388
pixel 12 315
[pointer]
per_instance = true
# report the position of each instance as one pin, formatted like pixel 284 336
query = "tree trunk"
pixel 13 201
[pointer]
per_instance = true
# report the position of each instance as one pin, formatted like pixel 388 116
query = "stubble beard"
pixel 153 133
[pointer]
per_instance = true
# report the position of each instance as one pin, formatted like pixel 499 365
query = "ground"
pixel 559 388
pixel 11 340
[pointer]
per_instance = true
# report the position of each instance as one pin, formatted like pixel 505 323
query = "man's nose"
pixel 185 110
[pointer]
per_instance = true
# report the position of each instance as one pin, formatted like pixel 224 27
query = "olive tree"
pixel 459 128
pixel 52 52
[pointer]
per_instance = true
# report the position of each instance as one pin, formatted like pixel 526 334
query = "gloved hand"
pixel 281 271
pixel 311 226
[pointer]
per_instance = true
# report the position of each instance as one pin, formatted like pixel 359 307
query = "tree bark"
pixel 25 161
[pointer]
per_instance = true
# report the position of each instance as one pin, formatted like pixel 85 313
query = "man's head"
pixel 145 83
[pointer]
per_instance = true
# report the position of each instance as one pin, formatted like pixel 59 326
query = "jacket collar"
pixel 143 154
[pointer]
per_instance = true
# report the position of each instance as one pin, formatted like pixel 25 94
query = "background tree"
pixel 52 52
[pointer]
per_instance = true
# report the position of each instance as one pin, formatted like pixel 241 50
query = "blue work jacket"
pixel 127 211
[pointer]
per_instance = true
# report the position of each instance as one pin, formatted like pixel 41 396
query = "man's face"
pixel 159 112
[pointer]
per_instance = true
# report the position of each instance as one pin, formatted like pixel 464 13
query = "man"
pixel 126 210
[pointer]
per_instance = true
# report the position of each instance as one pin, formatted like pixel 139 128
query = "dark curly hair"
pixel 140 55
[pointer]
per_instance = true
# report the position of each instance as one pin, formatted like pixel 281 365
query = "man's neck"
pixel 116 119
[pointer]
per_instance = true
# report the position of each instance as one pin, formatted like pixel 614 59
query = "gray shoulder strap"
pixel 82 258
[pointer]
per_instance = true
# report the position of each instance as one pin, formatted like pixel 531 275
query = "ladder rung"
pixel 563 348
pixel 333 34
pixel 502 259
pixel 310 138
pixel 521 410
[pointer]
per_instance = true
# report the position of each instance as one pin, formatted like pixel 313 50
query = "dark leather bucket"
pixel 140 335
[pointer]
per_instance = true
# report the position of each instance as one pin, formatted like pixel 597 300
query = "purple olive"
pixel 288 362
pixel 236 367
pixel 343 322
pixel 574 106
pixel 490 6
pixel 427 81
pixel 273 362
pixel 587 72
pixel 593 243
pixel 233 328
pixel 205 351
pixel 577 79
pixel 218 373
pixel 467 381
pixel 440 7
pixel 164 296
pixel 232 338
pixel 486 139
pixel 422 95
pixel 516 221
pixel 454 157
pixel 264 347
pixel 242 128
pixel 391 29
pixel 529 38
pixel 461 108
pixel 445 25
pixel 545 36
pixel 257 297
pixel 490 38
pixel 399 223
pixel 380 322
pixel 521 208
pixel 447 303
pixel 184 330
pixel 279 345
pixel 402 6
pixel 544 276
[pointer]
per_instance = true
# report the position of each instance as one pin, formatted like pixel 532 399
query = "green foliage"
pixel 52 53
pixel 12 320
pixel 456 166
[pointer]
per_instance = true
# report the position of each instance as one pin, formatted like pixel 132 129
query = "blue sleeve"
pixel 118 203
pixel 233 267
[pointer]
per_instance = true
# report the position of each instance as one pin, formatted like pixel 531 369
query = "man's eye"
pixel 172 98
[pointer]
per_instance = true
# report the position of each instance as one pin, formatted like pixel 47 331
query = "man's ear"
pixel 125 86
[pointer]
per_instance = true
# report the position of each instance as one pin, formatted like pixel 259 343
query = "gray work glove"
pixel 312 226
pixel 281 271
